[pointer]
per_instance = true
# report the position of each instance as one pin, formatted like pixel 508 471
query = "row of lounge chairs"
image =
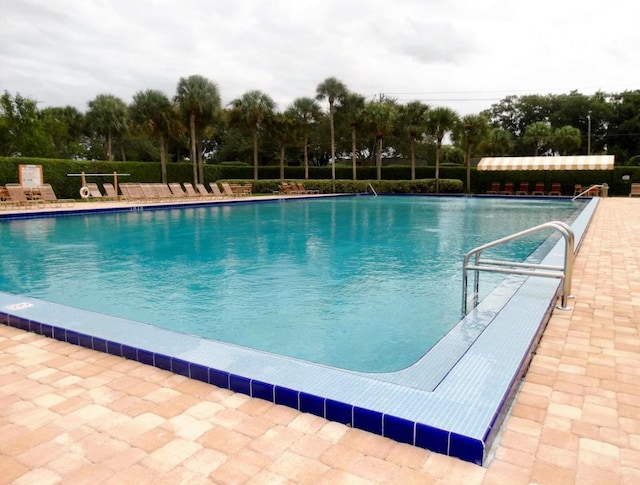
pixel 155 192
pixel 294 188
pixel 14 195
pixel 508 189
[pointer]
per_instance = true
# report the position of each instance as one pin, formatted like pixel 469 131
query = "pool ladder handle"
pixel 603 189
pixel 372 189
pixel 508 267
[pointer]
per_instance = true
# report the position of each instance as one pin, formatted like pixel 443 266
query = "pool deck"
pixel 73 415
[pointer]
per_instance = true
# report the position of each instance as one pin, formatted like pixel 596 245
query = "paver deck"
pixel 73 415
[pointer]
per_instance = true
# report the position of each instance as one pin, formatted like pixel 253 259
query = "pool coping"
pixel 460 417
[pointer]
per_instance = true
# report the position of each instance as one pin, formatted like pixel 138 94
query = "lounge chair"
pixel 18 196
pixel 48 195
pixel 635 190
pixel 177 190
pixel 163 191
pixel 226 188
pixel 577 189
pixel 132 191
pixel 539 190
pixel 302 190
pixel 556 189
pixel 190 191
pixel 109 191
pixel 495 188
pixel 524 189
pixel 508 189
pixel 94 191
pixel 149 192
pixel 202 190
pixel 215 190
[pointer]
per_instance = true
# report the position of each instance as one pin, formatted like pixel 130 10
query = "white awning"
pixel 593 162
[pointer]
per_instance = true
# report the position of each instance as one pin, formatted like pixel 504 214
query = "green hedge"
pixel 55 172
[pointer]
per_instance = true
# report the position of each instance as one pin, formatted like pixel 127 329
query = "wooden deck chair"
pixel 48 195
pixel 18 197
pixel 508 189
pixel 202 190
pixel 149 192
pixel 524 189
pixel 635 190
pixel 163 191
pixel 304 190
pixel 215 190
pixel 190 191
pixel 577 189
pixel 495 188
pixel 177 190
pixel 109 191
pixel 94 190
pixel 556 189
pixel 226 189
pixel 539 190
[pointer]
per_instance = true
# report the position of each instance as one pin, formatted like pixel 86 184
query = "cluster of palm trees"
pixel 197 100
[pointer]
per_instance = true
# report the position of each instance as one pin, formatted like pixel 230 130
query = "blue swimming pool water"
pixel 361 283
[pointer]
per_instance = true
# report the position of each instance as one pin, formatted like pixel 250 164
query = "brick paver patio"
pixel 72 415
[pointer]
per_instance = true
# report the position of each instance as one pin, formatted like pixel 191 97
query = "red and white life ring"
pixel 85 192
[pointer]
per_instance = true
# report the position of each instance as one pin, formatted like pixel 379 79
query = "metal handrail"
pixel 595 186
pixel 372 189
pixel 508 267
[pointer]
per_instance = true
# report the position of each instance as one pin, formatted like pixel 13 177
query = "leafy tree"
pixel 305 112
pixel 539 136
pixel 566 139
pixel 623 135
pixel 332 90
pixel 381 115
pixel 351 109
pixel 153 113
pixel 21 132
pixel 107 115
pixel 411 119
pixel 65 130
pixel 440 121
pixel 199 100
pixel 252 110
pixel 470 132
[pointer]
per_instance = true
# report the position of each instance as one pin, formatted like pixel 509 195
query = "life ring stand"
pixel 85 192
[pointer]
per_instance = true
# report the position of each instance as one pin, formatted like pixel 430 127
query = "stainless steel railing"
pixel 529 269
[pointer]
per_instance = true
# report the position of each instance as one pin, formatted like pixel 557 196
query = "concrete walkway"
pixel 72 415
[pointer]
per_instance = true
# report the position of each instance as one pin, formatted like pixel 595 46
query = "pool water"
pixel 360 283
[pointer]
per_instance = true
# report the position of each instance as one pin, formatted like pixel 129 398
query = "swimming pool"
pixel 361 283
pixel 450 401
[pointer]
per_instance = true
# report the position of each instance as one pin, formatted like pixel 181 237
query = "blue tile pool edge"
pixel 471 447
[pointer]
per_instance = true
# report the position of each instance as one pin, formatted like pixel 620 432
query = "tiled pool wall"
pixel 459 418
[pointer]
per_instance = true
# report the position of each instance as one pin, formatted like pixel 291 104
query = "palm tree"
pixel 282 128
pixel 306 112
pixel 333 90
pixel 567 139
pixel 153 113
pixel 252 110
pixel 352 109
pixel 440 121
pixel 381 115
pixel 412 123
pixel 199 100
pixel 538 134
pixel 471 131
pixel 108 115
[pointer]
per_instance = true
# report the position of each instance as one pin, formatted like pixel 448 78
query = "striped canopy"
pixel 592 162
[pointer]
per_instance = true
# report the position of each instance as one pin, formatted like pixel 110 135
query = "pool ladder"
pixel 528 269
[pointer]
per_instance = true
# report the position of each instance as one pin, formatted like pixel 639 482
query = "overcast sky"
pixel 464 54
